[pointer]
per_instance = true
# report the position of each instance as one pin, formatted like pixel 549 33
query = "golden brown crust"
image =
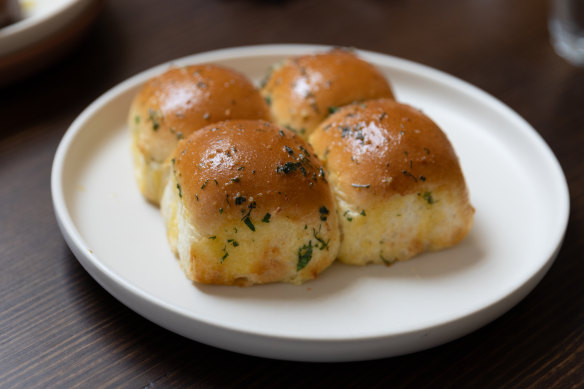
pixel 234 169
pixel 397 182
pixel 381 148
pixel 247 203
pixel 304 90
pixel 181 100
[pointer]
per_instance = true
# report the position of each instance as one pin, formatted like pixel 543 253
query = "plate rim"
pixel 92 264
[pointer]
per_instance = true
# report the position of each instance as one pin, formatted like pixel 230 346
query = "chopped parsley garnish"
pixel 304 256
pixel 268 100
pixel 301 148
pixel 233 242
pixel 349 218
pixel 324 212
pixel 213 237
pixel 251 207
pixel 266 218
pixel 386 261
pixel 240 200
pixel 224 255
pixel 248 223
pixel 245 217
pixel 406 173
pixel 332 109
pixel 235 179
pixel 154 117
pixel 428 197
pixel 323 244
pixel 137 119
pixel 179 190
pixel 289 150
pixel 289 167
pixel 363 213
pixel 345 131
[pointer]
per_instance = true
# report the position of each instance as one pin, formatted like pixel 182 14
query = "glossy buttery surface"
pixel 252 206
pixel 349 313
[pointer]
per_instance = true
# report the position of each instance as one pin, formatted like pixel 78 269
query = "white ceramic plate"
pixel 349 313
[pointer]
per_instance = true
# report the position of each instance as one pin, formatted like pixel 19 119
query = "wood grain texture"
pixel 59 328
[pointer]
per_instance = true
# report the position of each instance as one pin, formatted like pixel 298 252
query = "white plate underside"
pixel 349 313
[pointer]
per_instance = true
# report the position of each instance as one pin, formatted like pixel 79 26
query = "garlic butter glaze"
pixel 303 91
pixel 248 202
pixel 171 106
pixel 397 182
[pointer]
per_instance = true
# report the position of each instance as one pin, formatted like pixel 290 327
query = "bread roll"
pixel 303 91
pixel 172 105
pixel 247 203
pixel 397 182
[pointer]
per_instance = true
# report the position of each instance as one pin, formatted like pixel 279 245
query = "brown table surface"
pixel 59 328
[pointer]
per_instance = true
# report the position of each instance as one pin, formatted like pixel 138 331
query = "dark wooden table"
pixel 59 328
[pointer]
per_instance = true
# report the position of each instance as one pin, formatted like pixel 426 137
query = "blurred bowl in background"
pixel 46 31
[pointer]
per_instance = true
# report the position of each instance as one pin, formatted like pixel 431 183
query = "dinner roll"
pixel 303 91
pixel 247 203
pixel 397 182
pixel 171 106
